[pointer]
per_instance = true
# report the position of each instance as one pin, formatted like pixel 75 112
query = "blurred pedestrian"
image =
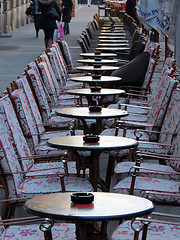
pixel 50 12
pixel 67 11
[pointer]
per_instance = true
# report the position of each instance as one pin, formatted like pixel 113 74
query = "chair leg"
pixel 109 173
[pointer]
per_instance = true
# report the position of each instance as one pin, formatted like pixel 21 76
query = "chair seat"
pixel 45 185
pixel 62 231
pixel 144 147
pixel 123 168
pixel 156 231
pixel 143 184
pixel 58 168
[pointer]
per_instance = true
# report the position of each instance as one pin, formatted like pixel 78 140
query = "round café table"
pixel 113 45
pixel 112 34
pixel 101 55
pixel 86 92
pixel 83 113
pixel 94 82
pixel 113 41
pixel 105 143
pixel 112 49
pixel 112 31
pixel 100 61
pixel 112 37
pixel 97 70
pixel 105 207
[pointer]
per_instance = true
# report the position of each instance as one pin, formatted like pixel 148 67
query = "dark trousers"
pixel 66 28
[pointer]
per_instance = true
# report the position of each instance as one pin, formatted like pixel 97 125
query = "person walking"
pixel 67 11
pixel 50 12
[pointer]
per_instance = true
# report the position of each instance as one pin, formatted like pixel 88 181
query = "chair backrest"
pixel 40 93
pixel 160 101
pixel 176 152
pixel 26 119
pixel 23 84
pixel 149 73
pixel 82 46
pixel 60 64
pixel 66 53
pixel 61 58
pixel 15 132
pixel 171 120
pixel 49 84
pixel 44 58
pixel 9 163
pixel 33 65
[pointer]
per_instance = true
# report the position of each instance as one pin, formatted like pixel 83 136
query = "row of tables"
pixel 106 206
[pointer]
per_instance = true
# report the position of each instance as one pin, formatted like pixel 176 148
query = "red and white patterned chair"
pixel 142 96
pixel 139 185
pixel 169 128
pixel 17 185
pixel 22 148
pixel 156 229
pixel 44 103
pixel 19 229
pixel 163 138
pixel 139 116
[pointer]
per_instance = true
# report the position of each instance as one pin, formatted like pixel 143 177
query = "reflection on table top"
pixel 90 80
pixel 101 68
pixel 113 49
pixel 84 113
pixel 123 45
pixel 106 206
pixel 112 34
pixel 113 40
pixel 112 37
pixel 102 61
pixel 102 92
pixel 105 143
pixel 98 55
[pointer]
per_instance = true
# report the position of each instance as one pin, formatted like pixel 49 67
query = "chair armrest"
pixel 135 106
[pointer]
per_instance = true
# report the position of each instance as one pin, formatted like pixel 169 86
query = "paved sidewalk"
pixel 19 47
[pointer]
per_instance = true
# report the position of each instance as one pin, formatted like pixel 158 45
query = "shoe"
pixel 88 5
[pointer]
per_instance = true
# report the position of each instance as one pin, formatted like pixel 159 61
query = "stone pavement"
pixel 19 47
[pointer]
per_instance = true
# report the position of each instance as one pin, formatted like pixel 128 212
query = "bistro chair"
pixel 28 228
pixel 49 158
pixel 139 116
pixel 44 102
pixel 17 185
pixel 139 185
pixel 150 141
pixel 149 228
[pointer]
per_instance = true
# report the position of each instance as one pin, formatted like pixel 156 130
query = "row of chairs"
pixel 27 120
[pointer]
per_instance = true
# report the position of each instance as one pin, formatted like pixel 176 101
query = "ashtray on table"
pixel 95 89
pixel 97 65
pixel 96 76
pixel 90 138
pixel 82 198
pixel 97 52
pixel 95 108
pixel 97 59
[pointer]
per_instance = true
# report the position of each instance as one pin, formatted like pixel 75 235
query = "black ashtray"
pixel 97 59
pixel 97 65
pixel 95 89
pixel 82 198
pixel 97 52
pixel 95 108
pixel 90 138
pixel 96 76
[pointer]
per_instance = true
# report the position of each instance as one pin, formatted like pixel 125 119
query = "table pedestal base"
pixel 91 231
